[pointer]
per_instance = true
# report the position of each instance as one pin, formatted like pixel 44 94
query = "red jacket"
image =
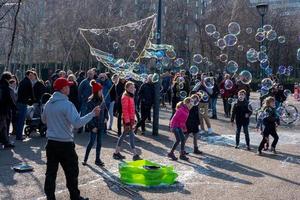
pixel 128 109
pixel 227 93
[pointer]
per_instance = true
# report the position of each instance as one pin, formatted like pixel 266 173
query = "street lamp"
pixel 157 85
pixel 262 9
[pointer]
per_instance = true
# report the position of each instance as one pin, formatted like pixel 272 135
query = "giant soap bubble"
pixel 230 40
pixel 234 28
pixel 197 58
pixel 281 39
pixel 210 29
pixel 260 36
pixel 194 70
pixel 271 35
pixel 232 67
pixel 221 43
pixel 267 83
pixel 209 82
pixel 245 77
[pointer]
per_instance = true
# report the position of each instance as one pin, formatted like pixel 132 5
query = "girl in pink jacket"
pixel 178 127
pixel 128 110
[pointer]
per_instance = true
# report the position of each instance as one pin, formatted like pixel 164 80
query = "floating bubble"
pixel 228 85
pixel 222 91
pixel 267 83
pixel 289 114
pixel 252 55
pixel 159 66
pixel 181 86
pixel 281 39
pixel 116 45
pixel 155 78
pixel 290 68
pixel 298 54
pixel 281 69
pixel 262 56
pixel 197 58
pixel 263 48
pixel 260 36
pixel 135 55
pixel 205 60
pixel 264 91
pixel 231 100
pixel 267 27
pixel 165 61
pixel 194 70
pixel 230 40
pixel 245 77
pixel 223 57
pixel 249 30
pixel 234 28
pixel 209 82
pixel 232 67
pixel 196 100
pixel 179 62
pixel 210 29
pixel 262 115
pixel 115 79
pixel 181 80
pixel 241 47
pixel 131 43
pixel 183 94
pixel 120 63
pixel 260 30
pixel 203 95
pixel 221 43
pixel 287 92
pixel 264 64
pixel 159 54
pixel 216 35
pixel 171 54
pixel 269 71
pixel 271 35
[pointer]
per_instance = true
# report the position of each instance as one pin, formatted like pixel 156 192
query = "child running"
pixel 241 114
pixel 97 124
pixel 178 127
pixel 128 110
pixel 270 122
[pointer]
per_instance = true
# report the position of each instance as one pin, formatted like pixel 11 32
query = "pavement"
pixel 222 172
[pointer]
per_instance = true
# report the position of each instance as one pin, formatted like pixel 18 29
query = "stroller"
pixel 33 117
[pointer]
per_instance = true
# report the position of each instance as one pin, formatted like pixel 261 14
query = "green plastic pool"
pixel 146 173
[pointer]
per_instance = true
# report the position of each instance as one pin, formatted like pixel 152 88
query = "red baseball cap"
pixel 60 83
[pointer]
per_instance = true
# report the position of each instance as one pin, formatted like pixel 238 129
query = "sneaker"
pixel 84 163
pixel 209 130
pixel 82 198
pixel 259 152
pixel 118 156
pixel 248 148
pixel 172 156
pixel 273 150
pixel 9 145
pixel 197 151
pixel 99 163
pixel 136 157
pixel 183 157
pixel 237 147
pixel 185 153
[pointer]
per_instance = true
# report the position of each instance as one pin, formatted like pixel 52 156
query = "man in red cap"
pixel 61 116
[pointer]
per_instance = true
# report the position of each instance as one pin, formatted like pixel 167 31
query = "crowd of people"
pixel 88 102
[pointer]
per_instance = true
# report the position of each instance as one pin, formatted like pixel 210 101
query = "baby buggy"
pixel 33 118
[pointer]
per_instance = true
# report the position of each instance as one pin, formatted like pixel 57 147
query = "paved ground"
pixel 222 172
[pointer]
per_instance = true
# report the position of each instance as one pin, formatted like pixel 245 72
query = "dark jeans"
pixel 21 110
pixel 227 107
pixel 145 112
pixel 213 104
pixel 119 122
pixel 265 139
pixel 63 153
pixel 195 139
pixel 122 137
pixel 4 139
pixel 12 120
pixel 179 139
pixel 238 131
pixel 93 137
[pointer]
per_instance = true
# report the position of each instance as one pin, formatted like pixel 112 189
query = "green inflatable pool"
pixel 146 173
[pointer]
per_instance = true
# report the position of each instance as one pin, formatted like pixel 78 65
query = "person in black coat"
pixel 39 89
pixel 7 104
pixel 120 88
pixel 73 96
pixel 146 97
pixel 25 98
pixel 241 115
pixel 278 93
pixel 192 125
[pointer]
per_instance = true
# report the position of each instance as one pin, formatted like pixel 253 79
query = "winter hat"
pixel 96 87
pixel 60 83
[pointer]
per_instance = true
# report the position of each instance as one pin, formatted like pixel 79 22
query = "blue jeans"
pixel 121 138
pixel 93 137
pixel 213 102
pixel 21 115
pixel 179 139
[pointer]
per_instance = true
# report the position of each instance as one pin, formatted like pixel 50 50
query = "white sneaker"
pixel 209 130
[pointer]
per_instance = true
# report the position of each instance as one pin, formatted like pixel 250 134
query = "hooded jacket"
pixel 180 117
pixel 128 109
pixel 61 116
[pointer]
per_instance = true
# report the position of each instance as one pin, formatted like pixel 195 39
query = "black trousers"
pixel 238 132
pixel 4 139
pixel 145 112
pixel 266 134
pixel 119 121
pixel 62 153
pixel 227 107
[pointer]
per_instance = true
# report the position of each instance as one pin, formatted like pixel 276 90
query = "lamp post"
pixel 157 85
pixel 262 9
